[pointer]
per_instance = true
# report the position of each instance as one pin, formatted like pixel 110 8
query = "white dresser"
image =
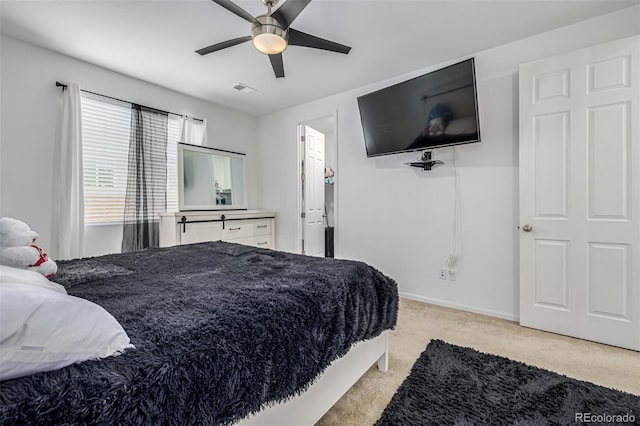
pixel 250 227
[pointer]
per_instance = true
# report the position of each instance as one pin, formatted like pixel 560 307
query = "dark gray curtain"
pixel 146 195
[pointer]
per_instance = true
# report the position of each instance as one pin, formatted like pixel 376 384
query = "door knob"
pixel 527 228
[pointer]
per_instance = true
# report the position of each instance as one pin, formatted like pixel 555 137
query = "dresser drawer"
pixel 237 229
pixel 263 241
pixel 262 227
pixel 246 228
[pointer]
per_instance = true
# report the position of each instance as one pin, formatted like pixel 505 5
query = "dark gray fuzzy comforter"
pixel 220 331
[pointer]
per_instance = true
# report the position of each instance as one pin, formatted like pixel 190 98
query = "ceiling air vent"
pixel 244 88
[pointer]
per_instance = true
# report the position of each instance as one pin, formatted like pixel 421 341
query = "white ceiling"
pixel 156 40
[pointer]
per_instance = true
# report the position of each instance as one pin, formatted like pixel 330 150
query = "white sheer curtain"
pixel 68 194
pixel 193 131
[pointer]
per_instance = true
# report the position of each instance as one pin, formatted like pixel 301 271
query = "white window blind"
pixel 106 127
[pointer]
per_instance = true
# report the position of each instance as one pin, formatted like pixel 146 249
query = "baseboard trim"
pixel 475 310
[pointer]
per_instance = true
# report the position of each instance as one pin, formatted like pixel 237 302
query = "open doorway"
pixel 317 186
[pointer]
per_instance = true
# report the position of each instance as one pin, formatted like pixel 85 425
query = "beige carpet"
pixel 418 323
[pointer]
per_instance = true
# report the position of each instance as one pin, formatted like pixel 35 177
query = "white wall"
pixel 28 114
pixel 400 219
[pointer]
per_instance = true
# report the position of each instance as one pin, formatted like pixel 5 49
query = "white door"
pixel 580 194
pixel 313 192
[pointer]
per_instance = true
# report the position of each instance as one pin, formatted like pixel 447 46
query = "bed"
pixel 221 332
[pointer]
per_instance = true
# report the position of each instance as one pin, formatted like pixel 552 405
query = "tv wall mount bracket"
pixel 425 161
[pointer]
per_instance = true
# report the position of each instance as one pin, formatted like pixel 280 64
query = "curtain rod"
pixel 64 86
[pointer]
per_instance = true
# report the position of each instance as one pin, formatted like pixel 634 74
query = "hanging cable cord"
pixel 453 258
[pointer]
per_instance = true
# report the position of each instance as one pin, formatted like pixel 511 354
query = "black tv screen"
pixel 430 111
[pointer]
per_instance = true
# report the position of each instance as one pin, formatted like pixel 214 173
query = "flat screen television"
pixel 433 110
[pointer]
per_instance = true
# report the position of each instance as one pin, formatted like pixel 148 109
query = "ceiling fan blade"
pixel 223 45
pixel 277 64
pixel 298 38
pixel 289 11
pixel 234 8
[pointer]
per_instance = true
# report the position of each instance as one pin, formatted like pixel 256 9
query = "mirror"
pixel 210 179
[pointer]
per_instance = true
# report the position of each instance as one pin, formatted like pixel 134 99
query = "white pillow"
pixel 23 276
pixel 44 330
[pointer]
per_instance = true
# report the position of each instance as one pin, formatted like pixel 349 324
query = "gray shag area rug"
pixel 452 385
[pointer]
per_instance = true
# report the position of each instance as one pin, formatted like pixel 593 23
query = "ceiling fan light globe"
pixel 269 43
pixel 268 35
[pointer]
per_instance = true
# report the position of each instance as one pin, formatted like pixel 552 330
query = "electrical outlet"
pixel 443 274
pixel 451 275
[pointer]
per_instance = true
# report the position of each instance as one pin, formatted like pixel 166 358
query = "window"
pixel 106 126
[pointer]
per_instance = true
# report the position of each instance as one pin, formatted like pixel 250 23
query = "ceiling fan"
pixel 271 33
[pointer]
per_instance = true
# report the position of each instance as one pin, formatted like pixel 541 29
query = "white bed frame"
pixel 309 407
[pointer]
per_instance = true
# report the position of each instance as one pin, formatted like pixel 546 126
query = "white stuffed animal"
pixel 17 248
